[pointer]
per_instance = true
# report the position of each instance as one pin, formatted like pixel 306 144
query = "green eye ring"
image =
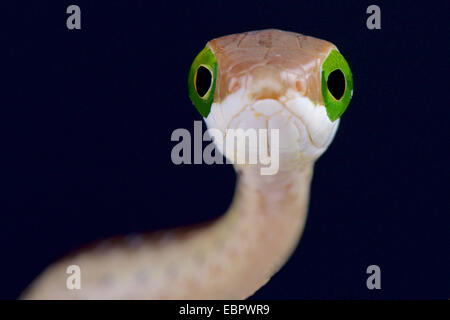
pixel 337 84
pixel 202 81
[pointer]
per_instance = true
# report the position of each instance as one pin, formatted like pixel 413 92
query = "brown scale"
pixel 270 54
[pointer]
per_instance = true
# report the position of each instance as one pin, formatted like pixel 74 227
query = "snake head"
pixel 271 79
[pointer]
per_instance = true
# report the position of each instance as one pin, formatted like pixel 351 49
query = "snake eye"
pixel 337 84
pixel 202 81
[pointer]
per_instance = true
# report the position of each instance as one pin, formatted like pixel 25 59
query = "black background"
pixel 87 117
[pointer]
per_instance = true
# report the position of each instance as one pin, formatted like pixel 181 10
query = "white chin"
pixel 304 129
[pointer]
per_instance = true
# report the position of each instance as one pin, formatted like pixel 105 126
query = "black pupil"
pixel 336 84
pixel 203 80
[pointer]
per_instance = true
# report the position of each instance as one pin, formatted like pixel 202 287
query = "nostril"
pixel 233 86
pixel 298 86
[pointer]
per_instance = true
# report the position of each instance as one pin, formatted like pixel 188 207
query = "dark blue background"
pixel 87 117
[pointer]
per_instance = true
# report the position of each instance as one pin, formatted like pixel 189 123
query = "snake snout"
pixel 265 82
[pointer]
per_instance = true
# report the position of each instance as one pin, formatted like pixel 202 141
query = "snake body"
pixel 262 79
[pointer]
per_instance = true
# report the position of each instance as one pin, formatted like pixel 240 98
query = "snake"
pixel 267 79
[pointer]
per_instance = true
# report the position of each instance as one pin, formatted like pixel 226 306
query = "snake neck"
pixel 263 225
pixel 228 259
